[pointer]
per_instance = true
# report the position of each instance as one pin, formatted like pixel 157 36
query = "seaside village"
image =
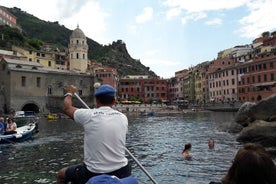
pixel 35 80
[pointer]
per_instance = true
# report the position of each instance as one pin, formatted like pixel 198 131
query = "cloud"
pixel 173 12
pixel 262 17
pixel 145 16
pixel 198 9
pixel 215 21
pixel 203 5
pixel 91 19
pixel 66 9
pixel 193 16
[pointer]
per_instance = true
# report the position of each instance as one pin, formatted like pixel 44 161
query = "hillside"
pixel 56 35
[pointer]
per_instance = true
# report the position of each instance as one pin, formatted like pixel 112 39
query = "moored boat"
pixel 22 133
pixel 52 116
pixel 24 117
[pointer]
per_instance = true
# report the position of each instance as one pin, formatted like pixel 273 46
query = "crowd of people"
pixel 7 127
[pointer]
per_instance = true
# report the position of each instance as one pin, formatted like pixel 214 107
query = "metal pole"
pixel 130 154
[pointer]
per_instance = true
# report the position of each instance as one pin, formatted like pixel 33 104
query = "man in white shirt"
pixel 104 138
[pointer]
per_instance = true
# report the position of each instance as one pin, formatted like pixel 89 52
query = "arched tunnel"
pixel 31 107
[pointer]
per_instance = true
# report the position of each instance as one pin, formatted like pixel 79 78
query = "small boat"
pixel 22 133
pixel 24 117
pixel 52 116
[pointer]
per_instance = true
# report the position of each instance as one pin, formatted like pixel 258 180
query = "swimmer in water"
pixel 211 143
pixel 186 151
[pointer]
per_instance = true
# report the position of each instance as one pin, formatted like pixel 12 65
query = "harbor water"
pixel 157 142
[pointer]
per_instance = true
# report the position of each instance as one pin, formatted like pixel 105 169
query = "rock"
pixel 244 115
pixel 233 127
pixel 265 109
pixel 261 132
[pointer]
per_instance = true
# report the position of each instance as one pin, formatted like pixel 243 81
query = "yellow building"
pixel 54 60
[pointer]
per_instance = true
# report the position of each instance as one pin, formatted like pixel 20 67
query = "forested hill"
pixel 115 54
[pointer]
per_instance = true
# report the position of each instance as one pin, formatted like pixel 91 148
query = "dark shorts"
pixel 79 174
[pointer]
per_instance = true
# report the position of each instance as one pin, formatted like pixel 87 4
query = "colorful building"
pixel 142 88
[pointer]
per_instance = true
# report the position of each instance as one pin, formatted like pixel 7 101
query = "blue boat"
pixel 22 133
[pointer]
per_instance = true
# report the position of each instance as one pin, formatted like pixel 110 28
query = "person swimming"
pixel 211 143
pixel 186 151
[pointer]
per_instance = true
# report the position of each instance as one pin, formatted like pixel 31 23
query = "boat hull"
pixel 23 133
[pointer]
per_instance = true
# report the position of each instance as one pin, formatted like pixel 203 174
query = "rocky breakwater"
pixel 258 121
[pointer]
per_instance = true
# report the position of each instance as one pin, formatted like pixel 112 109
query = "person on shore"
pixel 186 151
pixel 2 126
pixel 211 143
pixel 11 127
pixel 104 138
pixel 252 164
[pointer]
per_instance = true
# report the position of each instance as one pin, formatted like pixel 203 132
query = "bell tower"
pixel 78 51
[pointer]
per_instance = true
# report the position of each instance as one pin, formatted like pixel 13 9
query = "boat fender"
pixel 18 135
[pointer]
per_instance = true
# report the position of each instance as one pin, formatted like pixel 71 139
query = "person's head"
pixel 211 143
pixel 10 120
pixel 252 164
pixel 2 119
pixel 105 95
pixel 188 146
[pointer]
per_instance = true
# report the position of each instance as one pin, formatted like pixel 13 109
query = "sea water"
pixel 156 142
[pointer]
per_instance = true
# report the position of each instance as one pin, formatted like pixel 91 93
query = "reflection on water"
pixel 157 142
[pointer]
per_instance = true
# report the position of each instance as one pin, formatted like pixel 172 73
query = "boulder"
pixel 263 110
pixel 261 132
pixel 258 121
pixel 244 115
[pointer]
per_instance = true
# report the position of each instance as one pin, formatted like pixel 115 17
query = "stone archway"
pixel 30 107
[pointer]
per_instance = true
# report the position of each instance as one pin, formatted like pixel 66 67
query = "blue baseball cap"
pixel 105 90
pixel 107 179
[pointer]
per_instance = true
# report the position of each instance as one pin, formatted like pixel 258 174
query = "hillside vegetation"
pixel 36 32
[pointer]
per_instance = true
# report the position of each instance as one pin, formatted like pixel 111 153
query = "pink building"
pixel 222 80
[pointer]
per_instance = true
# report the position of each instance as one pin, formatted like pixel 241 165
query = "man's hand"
pixel 68 108
pixel 71 89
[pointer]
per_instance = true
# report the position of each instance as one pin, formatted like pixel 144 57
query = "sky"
pixel 165 35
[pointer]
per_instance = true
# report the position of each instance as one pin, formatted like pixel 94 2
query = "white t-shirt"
pixel 104 138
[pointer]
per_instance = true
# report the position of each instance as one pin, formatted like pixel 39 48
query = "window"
pixel 272 76
pixel 49 63
pixel 23 81
pixel 271 65
pixel 265 78
pixel 49 90
pixel 233 81
pixel 38 82
pixel 259 78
